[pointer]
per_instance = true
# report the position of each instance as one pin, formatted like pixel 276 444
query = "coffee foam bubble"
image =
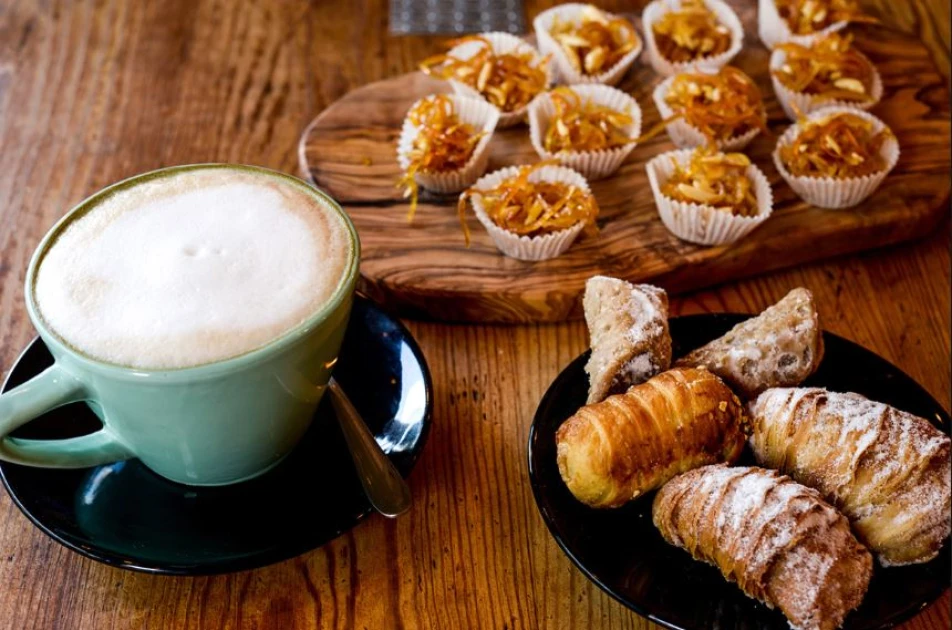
pixel 191 268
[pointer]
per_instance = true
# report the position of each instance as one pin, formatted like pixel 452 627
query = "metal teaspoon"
pixel 388 493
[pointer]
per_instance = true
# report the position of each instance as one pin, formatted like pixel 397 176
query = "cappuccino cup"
pixel 198 311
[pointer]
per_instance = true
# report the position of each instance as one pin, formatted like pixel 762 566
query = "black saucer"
pixel 622 552
pixel 125 515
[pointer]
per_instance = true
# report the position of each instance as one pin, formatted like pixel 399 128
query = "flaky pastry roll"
pixel 778 348
pixel 887 470
pixel 778 540
pixel 628 327
pixel 613 451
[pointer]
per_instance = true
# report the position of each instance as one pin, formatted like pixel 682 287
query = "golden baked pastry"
pixel 614 451
pixel 885 469
pixel 628 327
pixel 778 540
pixel 780 347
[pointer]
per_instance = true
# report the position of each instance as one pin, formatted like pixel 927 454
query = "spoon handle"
pixel 386 489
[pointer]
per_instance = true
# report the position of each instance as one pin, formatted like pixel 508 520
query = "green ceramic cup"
pixel 212 424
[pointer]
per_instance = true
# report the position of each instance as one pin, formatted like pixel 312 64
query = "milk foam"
pixel 191 268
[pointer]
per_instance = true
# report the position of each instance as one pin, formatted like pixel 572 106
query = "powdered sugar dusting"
pixel 815 563
pixel 748 498
pixel 779 347
pixel 759 519
pixel 886 469
pixel 778 512
pixel 860 421
pixel 628 325
pixel 639 369
pixel 775 400
pixel 644 310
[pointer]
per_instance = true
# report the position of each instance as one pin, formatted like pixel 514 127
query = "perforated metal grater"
pixel 417 17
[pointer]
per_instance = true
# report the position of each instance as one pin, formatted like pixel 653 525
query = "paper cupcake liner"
pixel 591 164
pixel 565 71
pixel 478 113
pixel 774 30
pixel 725 15
pixel 524 247
pixel 827 192
pixel 699 223
pixel 808 103
pixel 501 43
pixel 686 136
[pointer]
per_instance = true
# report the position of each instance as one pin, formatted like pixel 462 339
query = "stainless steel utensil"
pixel 388 493
pixel 416 17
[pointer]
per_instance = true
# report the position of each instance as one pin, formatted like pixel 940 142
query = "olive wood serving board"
pixel 424 270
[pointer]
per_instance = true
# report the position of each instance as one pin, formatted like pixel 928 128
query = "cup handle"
pixel 53 387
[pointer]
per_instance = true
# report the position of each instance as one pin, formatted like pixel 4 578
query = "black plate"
pixel 622 552
pixel 125 515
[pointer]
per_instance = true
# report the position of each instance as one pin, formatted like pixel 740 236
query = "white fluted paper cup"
pixel 478 113
pixel 829 192
pixel 591 164
pixel 687 136
pixel 501 43
pixel 529 247
pixel 773 29
pixel 565 71
pixel 790 101
pixel 700 223
pixel 725 15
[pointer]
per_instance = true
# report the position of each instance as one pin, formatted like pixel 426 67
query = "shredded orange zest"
pixel 805 17
pixel 529 208
pixel 830 69
pixel 721 106
pixel 508 81
pixel 839 146
pixel 657 129
pixel 443 144
pixel 714 179
pixel 597 43
pixel 581 125
pixel 690 33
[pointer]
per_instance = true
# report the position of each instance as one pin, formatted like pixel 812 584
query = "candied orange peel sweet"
pixel 839 146
pixel 714 179
pixel 690 33
pixel 444 143
pixel 721 106
pixel 508 81
pixel 597 42
pixel 580 124
pixel 829 69
pixel 533 208
pixel 805 17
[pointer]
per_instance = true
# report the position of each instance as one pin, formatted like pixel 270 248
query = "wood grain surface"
pixel 91 92
pixel 424 269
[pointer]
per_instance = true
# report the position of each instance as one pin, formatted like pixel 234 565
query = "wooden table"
pixel 94 92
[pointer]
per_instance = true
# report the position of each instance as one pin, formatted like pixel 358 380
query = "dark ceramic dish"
pixel 125 515
pixel 622 552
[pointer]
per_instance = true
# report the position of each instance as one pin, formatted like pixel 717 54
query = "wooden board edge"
pixel 471 308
